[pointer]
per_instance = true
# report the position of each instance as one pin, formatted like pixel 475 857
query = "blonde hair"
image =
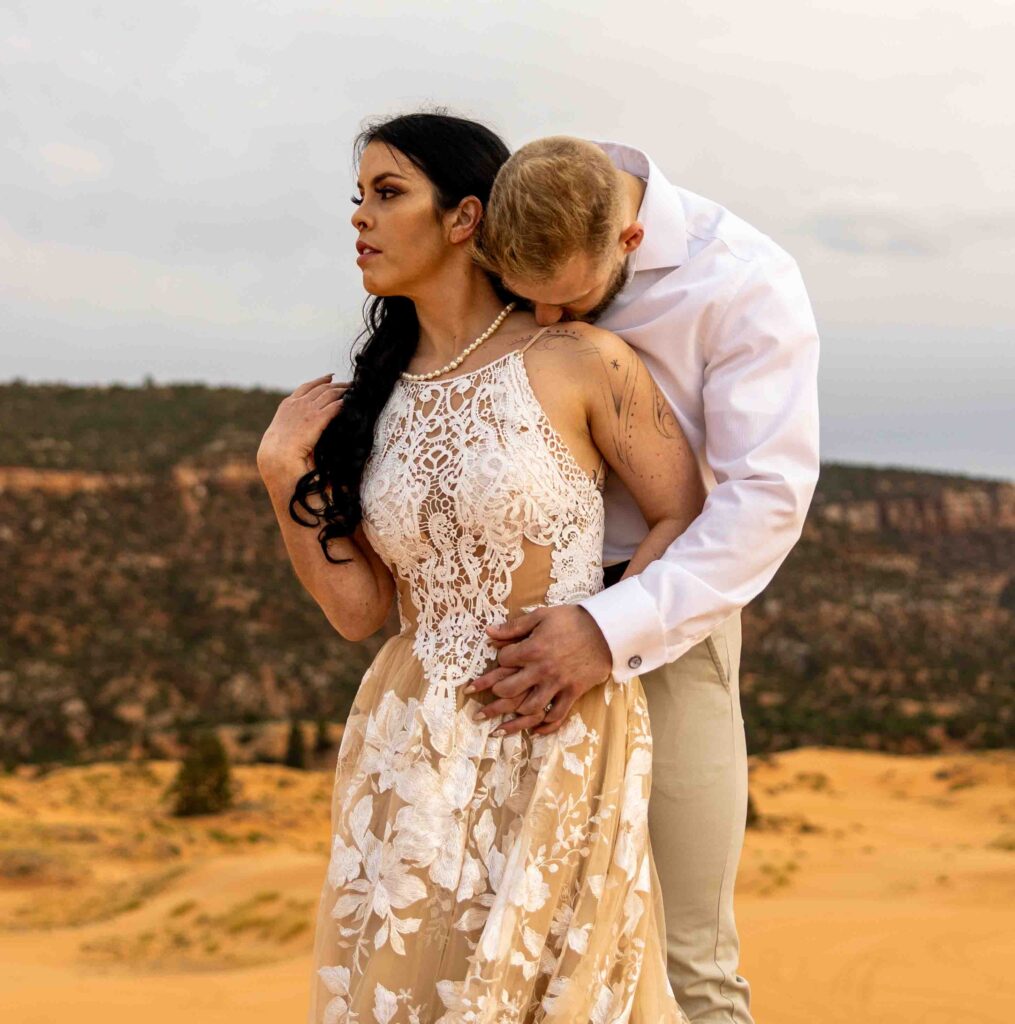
pixel 553 198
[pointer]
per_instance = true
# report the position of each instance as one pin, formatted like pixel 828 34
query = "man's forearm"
pixel 723 560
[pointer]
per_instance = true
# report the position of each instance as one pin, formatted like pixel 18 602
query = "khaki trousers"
pixel 696 821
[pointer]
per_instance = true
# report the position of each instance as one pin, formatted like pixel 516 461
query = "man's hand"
pixel 551 654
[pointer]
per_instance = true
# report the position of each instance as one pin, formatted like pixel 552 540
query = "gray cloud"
pixel 906 233
pixel 172 228
pixel 873 231
pixel 174 198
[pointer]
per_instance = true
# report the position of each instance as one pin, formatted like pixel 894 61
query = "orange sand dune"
pixel 875 889
pixel 880 888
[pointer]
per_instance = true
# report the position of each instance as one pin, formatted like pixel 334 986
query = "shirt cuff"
pixel 630 621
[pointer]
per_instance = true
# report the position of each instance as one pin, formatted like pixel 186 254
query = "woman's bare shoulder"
pixel 585 354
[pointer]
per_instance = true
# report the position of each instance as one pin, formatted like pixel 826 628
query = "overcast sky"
pixel 176 181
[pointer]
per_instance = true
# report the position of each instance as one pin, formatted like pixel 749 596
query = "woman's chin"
pixel 374 286
pixel 379 288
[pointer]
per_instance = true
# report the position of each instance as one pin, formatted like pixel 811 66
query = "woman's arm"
pixel 554 654
pixel 634 428
pixel 355 596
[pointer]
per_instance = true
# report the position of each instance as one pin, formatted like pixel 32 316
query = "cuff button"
pixel 634 661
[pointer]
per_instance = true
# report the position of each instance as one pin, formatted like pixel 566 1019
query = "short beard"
pixel 620 278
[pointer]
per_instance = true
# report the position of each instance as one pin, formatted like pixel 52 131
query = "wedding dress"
pixel 479 878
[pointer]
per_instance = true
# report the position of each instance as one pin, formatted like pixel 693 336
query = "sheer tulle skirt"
pixel 476 878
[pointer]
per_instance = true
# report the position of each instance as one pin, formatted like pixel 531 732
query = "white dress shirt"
pixel 721 318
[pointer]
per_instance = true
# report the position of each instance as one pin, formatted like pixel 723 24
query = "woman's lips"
pixel 365 252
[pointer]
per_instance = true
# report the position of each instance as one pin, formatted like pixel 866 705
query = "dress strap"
pixel 535 337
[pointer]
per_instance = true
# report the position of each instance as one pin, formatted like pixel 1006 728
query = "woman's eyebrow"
pixel 381 177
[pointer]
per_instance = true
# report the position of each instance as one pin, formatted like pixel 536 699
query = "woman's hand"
pixel 299 422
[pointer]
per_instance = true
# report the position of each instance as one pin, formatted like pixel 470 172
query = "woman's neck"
pixel 453 312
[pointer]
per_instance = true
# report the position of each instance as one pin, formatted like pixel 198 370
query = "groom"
pixel 719 313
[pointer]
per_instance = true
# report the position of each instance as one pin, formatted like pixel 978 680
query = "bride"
pixel 475 876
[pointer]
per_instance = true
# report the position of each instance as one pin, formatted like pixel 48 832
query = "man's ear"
pixel 631 237
pixel 464 220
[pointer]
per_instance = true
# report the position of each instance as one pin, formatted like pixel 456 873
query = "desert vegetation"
pixel 148 591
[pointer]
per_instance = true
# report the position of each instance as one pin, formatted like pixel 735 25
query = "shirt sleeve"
pixel 761 442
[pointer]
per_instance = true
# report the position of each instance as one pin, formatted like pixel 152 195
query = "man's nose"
pixel 546 315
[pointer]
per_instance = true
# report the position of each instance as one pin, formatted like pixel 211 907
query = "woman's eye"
pixel 386 193
pixel 358 200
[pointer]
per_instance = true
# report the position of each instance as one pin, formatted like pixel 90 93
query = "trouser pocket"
pixel 719 652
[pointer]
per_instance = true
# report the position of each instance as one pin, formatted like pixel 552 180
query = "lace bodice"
pixel 466 474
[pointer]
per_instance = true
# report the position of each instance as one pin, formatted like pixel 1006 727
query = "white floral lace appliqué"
pixel 461 472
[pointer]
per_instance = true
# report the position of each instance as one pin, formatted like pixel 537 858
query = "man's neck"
pixel 634 193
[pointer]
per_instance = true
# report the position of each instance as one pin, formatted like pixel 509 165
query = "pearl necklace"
pixel 460 358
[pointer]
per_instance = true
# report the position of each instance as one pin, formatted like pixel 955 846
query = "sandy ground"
pixel 875 889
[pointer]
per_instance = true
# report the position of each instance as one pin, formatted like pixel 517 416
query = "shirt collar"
pixel 661 212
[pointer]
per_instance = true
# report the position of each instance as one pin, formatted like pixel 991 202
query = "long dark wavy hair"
pixel 460 158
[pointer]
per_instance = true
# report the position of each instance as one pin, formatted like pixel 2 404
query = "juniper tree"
pixel 202 784
pixel 296 753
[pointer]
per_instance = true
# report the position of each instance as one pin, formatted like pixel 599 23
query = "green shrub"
pixel 296 751
pixel 203 784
